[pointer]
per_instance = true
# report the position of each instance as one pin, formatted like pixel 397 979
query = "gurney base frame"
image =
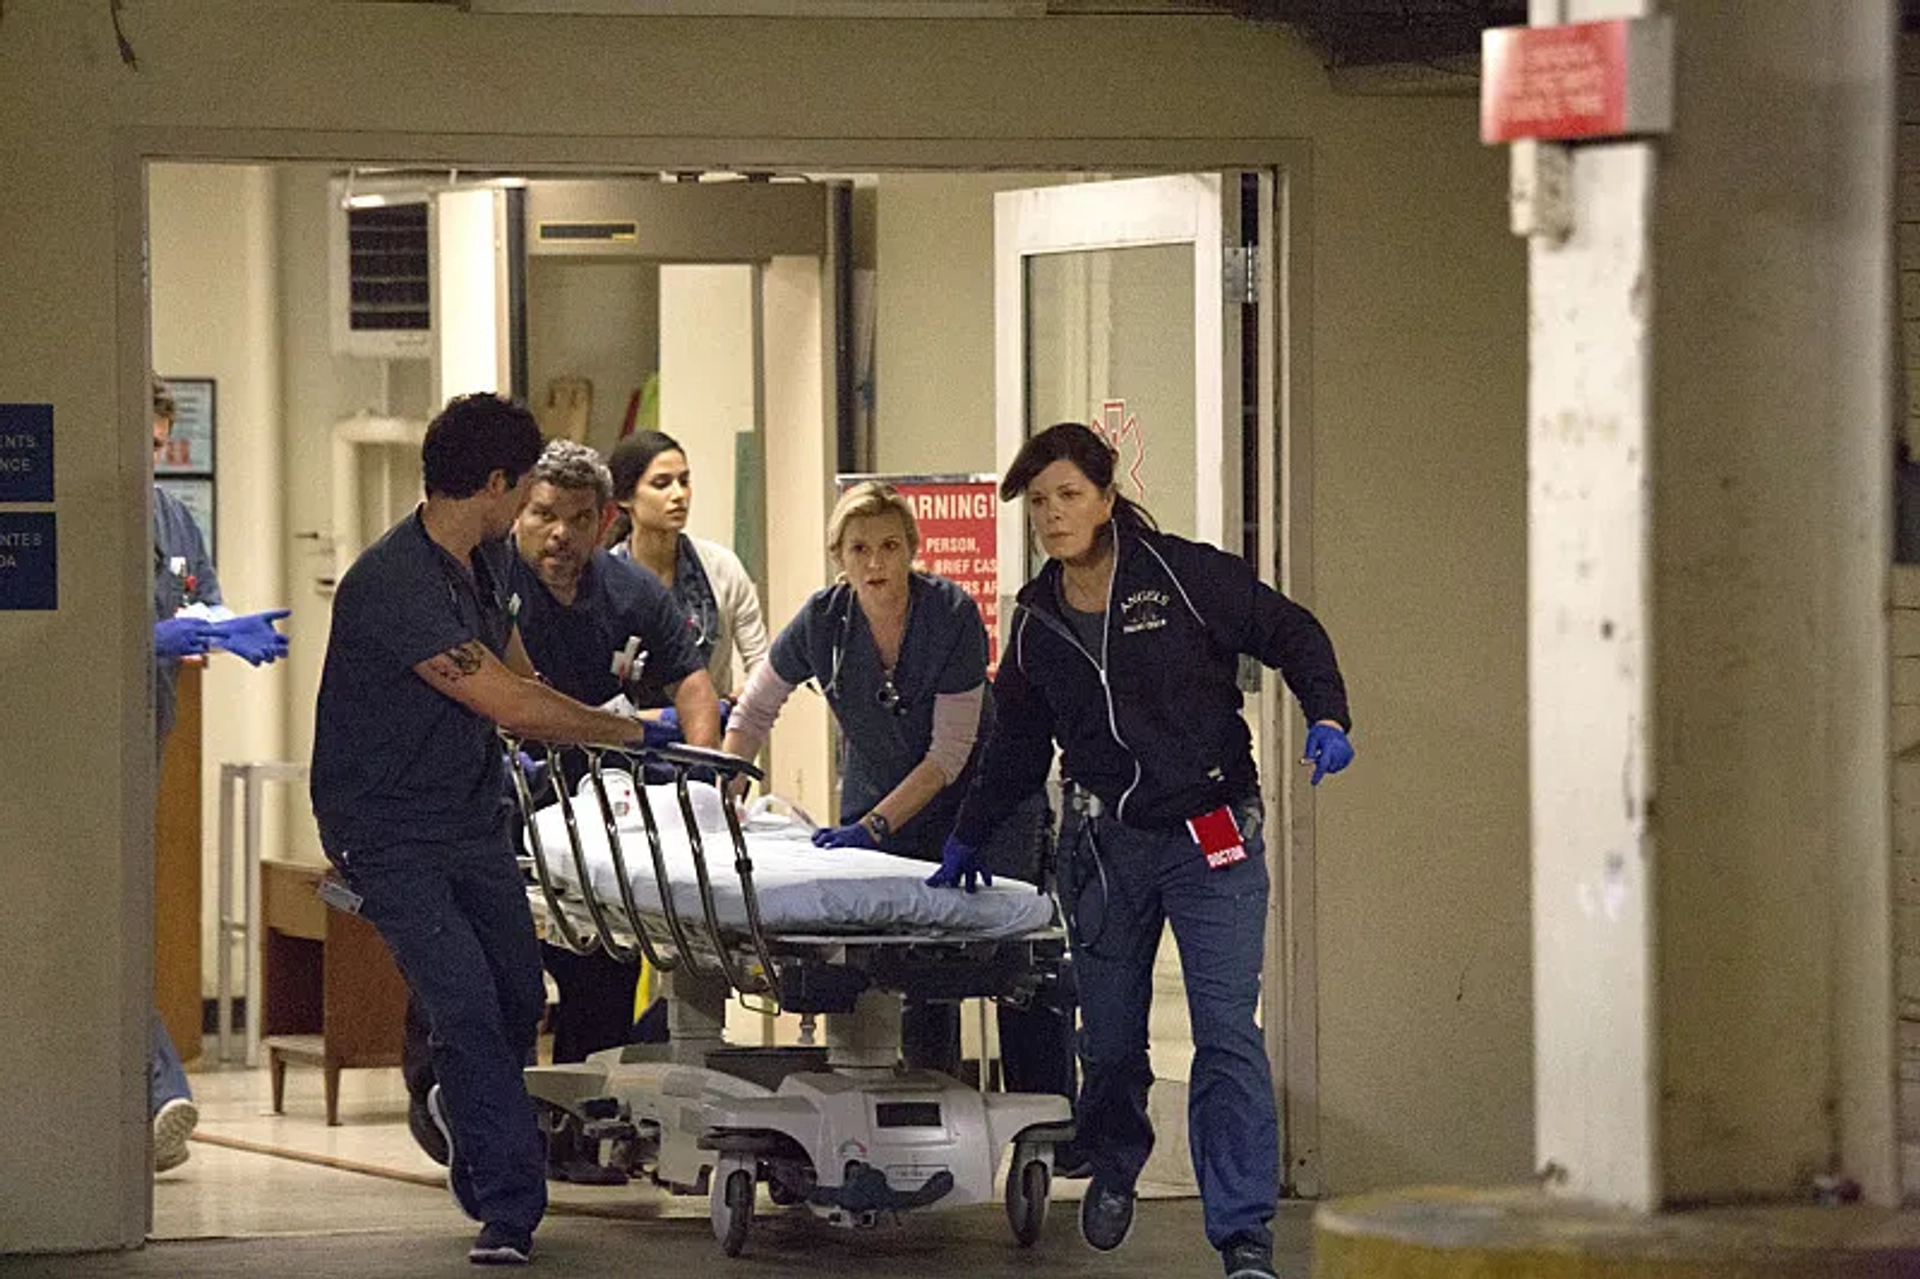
pixel 858 1149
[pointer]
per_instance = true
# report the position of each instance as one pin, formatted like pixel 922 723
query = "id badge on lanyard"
pixel 1218 835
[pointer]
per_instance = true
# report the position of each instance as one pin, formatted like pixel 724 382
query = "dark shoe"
pixel 499 1245
pixel 1070 1162
pixel 425 1131
pixel 459 1176
pixel 1106 1217
pixel 1248 1259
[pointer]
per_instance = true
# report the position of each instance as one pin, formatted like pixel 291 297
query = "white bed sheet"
pixel 801 889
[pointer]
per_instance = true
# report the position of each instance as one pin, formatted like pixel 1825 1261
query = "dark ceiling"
pixel 1360 33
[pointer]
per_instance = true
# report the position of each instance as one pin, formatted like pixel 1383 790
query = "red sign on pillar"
pixel 1586 80
pixel 959 535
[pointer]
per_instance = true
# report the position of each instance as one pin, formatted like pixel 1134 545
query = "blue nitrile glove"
pixel 726 710
pixel 252 636
pixel 851 836
pixel 1328 750
pixel 664 731
pixel 534 770
pixel 959 867
pixel 178 637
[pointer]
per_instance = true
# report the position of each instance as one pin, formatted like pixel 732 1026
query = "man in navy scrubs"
pixel 423 662
pixel 596 628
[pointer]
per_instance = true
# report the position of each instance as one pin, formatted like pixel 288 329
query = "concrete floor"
pixel 285 1194
pixel 1167 1244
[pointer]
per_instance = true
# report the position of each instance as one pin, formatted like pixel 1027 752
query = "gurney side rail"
pixel 737 977
pixel 706 955
pixel 577 942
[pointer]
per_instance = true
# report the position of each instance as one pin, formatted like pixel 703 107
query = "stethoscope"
pixel 888 694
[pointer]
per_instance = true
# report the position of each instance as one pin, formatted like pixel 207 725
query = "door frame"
pixel 1292 1040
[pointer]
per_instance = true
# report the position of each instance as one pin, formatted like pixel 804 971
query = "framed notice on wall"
pixel 196 494
pixel 189 449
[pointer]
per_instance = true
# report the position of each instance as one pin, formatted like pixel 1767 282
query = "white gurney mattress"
pixel 801 889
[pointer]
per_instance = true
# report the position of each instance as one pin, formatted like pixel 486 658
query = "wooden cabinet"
pixel 176 873
pixel 331 994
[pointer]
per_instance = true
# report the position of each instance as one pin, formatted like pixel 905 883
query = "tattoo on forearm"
pixel 459 662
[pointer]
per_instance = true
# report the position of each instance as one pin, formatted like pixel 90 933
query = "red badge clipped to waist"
pixel 1219 837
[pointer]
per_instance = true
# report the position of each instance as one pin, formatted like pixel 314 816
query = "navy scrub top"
pixel 944 651
pixel 394 760
pixel 573 645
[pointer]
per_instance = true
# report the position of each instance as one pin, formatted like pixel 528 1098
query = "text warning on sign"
pixel 29 562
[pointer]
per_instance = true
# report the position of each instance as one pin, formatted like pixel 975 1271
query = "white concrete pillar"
pixel 1708 501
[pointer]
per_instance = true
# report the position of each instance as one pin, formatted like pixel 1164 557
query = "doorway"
pixel 1224 504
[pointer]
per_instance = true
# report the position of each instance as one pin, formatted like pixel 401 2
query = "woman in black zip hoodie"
pixel 1123 653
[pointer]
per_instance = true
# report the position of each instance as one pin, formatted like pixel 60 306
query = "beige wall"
pixel 707 330
pixel 597 319
pixel 1417 336
pixel 320 388
pixel 1419 545
pixel 933 326
pixel 215 245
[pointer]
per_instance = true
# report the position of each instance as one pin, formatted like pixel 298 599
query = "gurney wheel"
pixel 1028 1185
pixel 731 1206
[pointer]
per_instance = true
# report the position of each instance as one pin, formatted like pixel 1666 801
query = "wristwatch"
pixel 877 823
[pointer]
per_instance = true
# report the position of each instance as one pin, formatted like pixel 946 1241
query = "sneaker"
pixel 459 1176
pixel 501 1245
pixel 173 1123
pixel 1248 1259
pixel 1106 1217
pixel 426 1132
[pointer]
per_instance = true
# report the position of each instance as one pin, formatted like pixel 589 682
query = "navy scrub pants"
pixel 1119 889
pixel 455 917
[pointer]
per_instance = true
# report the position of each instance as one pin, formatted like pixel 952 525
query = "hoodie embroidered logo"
pixel 1144 610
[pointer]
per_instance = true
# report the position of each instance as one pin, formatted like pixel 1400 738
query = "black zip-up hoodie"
pixel 1153 725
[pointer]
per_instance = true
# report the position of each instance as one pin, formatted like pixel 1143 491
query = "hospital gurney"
pixel 839 934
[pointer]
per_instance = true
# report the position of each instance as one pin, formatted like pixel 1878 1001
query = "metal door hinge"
pixel 1240 275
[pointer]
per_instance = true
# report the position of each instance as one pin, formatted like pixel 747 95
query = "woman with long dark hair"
pixel 653 486
pixel 1123 652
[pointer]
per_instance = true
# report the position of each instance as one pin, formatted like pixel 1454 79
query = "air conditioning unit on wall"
pixel 381 265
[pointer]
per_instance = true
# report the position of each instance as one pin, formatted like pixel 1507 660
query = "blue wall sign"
pixel 29 562
pixel 26 452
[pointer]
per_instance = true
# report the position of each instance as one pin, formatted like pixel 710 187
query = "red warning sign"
pixel 1584 80
pixel 959 537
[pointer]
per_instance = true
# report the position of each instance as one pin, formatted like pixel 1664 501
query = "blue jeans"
pixel 166 1077
pixel 1120 889
pixel 455 917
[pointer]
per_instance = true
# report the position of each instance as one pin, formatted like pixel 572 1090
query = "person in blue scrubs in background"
pixel 183 576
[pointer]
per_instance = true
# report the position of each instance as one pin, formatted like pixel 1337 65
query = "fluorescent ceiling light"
pixel 377 192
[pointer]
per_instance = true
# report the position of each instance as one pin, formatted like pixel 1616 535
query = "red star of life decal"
pixel 1121 429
